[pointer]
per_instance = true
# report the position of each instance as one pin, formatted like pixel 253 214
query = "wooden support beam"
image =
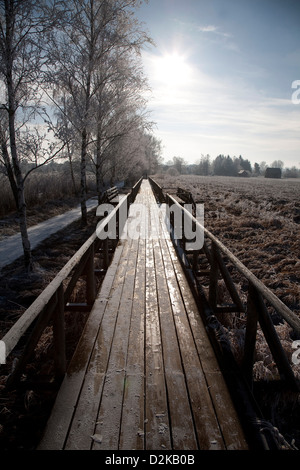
pixel 228 281
pixel 90 278
pixel 227 309
pixel 202 273
pixel 77 273
pixel 41 323
pixel 105 254
pixel 195 260
pixel 250 338
pixel 59 339
pixel 280 358
pixel 257 312
pixel 214 275
pixel 206 252
pixel 78 307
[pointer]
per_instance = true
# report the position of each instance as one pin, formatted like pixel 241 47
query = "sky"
pixel 224 78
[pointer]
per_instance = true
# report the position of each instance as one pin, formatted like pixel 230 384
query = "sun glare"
pixel 172 70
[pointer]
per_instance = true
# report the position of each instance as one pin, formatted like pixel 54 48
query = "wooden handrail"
pixel 50 304
pixel 258 293
pixel 279 306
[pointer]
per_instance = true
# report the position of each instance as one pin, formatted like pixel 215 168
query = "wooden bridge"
pixel 145 374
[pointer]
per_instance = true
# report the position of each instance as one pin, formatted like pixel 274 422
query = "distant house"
pixel 243 174
pixel 273 173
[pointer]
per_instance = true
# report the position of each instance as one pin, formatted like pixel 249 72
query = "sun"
pixel 172 70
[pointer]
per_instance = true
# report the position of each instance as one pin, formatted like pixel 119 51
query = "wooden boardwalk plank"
pixel 182 428
pixel 219 394
pixel 158 432
pixel 84 422
pixel 132 422
pixel 63 410
pixel 110 412
pixel 207 427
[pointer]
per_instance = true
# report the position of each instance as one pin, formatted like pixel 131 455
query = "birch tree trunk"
pixel 71 168
pixel 99 178
pixel 21 204
pixel 83 177
pixel 9 170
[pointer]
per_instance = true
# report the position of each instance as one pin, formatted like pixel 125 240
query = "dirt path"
pixel 11 247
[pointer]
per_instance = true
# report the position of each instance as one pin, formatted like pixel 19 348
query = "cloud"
pixel 211 32
pixel 213 29
pixel 210 28
pixel 207 29
pixel 226 40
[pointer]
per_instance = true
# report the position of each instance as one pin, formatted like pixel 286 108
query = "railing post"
pixel 59 335
pixel 90 278
pixel 250 338
pixel 195 260
pixel 213 279
pixel 183 234
pixel 41 323
pixel 257 312
pixel 105 253
pixel 277 351
pixel 228 281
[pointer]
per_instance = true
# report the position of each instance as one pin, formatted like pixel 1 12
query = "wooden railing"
pixel 259 297
pixel 51 305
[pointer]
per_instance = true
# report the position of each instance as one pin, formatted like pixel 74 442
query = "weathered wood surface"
pixel 144 375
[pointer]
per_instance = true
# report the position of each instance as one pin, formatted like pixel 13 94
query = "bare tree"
pixel 74 55
pixel 84 63
pixel 120 112
pixel 23 24
pixel 278 164
pixel 153 152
